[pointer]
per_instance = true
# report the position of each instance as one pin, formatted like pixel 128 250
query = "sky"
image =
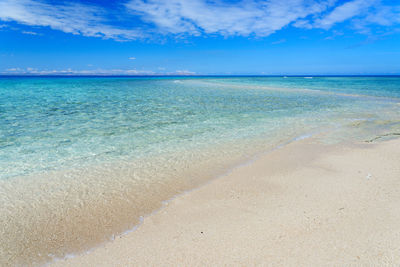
pixel 200 37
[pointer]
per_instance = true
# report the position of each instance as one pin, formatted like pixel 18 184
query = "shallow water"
pixel 82 158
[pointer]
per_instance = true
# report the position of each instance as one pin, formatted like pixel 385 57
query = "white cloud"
pixel 384 15
pixel 69 17
pixel 344 12
pixel 363 15
pixel 281 41
pixel 184 72
pixel 132 58
pixel 303 23
pixel 334 35
pixel 181 18
pixel 69 71
pixel 13 69
pixel 243 18
pixel 29 33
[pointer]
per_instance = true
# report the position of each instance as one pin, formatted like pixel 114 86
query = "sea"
pixel 83 159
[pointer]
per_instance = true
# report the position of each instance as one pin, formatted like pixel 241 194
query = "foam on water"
pixel 82 159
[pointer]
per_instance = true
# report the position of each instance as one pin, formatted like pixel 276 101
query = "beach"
pixel 199 133
pixel 84 159
pixel 304 204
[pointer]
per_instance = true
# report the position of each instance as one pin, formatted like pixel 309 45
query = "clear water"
pixel 51 123
pixel 369 86
pixel 68 143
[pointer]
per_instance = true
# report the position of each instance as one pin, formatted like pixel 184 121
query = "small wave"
pixel 382 136
pixel 302 137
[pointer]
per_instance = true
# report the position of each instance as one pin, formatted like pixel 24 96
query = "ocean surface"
pixel 82 159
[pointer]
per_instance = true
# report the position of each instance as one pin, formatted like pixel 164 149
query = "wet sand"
pixel 306 204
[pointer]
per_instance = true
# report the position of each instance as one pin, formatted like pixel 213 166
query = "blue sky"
pixel 136 37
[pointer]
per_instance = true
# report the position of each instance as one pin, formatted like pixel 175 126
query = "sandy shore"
pixel 306 204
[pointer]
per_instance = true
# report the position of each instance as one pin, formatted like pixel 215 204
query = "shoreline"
pixel 133 246
pixel 78 225
pixel 100 154
pixel 226 171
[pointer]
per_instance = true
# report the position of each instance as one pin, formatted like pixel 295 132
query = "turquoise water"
pixel 70 147
pixel 370 86
pixel 51 123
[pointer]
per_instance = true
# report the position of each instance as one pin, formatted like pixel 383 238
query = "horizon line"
pixel 199 75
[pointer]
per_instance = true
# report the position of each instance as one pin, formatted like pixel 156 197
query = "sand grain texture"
pixel 306 204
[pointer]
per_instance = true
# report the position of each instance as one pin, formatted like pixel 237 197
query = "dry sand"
pixel 306 204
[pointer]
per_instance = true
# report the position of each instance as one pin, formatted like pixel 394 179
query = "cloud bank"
pixel 244 18
pixel 143 19
pixel 91 72
pixel 72 18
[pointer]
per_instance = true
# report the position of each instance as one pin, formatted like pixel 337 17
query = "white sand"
pixel 303 205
